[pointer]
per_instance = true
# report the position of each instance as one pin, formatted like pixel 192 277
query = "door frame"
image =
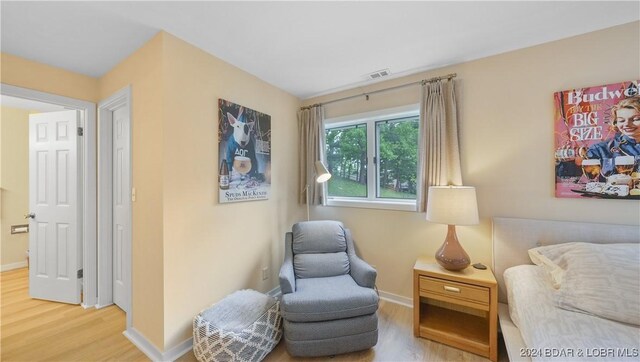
pixel 87 153
pixel 121 98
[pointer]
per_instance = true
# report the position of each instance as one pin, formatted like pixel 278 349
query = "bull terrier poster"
pixel 244 149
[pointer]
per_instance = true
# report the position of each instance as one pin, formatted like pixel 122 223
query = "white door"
pixel 121 207
pixel 54 196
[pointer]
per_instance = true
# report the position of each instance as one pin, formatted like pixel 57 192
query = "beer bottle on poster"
pixel 223 178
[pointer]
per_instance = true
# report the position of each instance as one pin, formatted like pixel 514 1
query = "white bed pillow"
pixel 598 279
pixel 551 259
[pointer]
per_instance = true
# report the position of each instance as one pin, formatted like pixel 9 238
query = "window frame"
pixel 371 119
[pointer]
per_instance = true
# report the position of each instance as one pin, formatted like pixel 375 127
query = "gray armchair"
pixel 328 299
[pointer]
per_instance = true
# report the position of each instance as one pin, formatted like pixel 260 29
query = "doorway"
pixel 115 196
pixel 86 164
pixel 97 253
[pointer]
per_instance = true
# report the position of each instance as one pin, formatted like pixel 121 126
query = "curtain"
pixel 311 135
pixel 439 153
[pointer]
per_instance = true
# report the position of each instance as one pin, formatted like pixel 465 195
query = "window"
pixel 373 159
pixel 347 160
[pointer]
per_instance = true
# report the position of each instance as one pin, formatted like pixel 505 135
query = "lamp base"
pixel 451 255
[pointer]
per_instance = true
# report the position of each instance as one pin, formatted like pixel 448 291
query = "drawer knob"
pixel 451 289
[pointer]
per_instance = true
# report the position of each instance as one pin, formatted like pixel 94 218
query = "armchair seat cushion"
pixel 329 298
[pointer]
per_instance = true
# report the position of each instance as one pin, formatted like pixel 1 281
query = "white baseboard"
pixel 397 299
pixel 143 344
pixel 18 265
pixel 100 306
pixel 275 292
pixel 152 352
pixel 177 351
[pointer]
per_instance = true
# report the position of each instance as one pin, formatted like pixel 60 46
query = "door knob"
pixel 30 216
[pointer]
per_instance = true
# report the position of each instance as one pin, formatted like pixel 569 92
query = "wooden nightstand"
pixel 459 309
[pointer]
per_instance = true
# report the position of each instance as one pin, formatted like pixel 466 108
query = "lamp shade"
pixel 452 205
pixel 322 174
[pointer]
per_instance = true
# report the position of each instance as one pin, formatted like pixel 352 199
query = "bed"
pixel 532 325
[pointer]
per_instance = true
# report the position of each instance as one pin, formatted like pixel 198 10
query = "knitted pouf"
pixel 244 326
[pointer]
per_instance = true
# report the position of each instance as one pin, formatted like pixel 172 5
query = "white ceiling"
pixel 306 48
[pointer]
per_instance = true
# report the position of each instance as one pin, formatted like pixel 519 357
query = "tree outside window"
pixel 398 158
pixel 347 160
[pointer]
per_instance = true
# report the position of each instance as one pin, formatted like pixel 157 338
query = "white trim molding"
pixel 275 292
pixel 121 98
pixel 100 306
pixel 12 266
pixel 154 353
pixel 397 299
pixel 379 204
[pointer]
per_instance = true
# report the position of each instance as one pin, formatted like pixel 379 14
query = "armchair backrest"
pixel 319 249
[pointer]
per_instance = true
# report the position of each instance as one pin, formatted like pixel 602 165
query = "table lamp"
pixel 452 205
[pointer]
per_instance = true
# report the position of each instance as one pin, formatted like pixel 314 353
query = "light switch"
pixel 133 194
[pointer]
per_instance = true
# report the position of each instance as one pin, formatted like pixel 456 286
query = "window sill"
pixel 373 204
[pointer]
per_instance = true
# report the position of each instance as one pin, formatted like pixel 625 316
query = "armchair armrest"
pixel 287 280
pixel 287 276
pixel 363 273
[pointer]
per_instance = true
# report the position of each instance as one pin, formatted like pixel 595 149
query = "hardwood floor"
pixel 396 343
pixel 37 330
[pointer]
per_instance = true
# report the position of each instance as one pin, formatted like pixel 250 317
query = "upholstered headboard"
pixel 513 237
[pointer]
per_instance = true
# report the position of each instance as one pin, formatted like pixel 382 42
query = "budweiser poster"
pixel 597 142
pixel 244 150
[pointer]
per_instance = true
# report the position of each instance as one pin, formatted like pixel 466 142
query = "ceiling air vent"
pixel 379 74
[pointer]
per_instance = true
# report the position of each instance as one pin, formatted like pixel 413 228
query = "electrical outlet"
pixel 265 273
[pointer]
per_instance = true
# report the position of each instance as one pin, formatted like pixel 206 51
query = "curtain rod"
pixel 366 94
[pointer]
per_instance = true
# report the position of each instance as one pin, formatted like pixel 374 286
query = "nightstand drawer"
pixel 454 290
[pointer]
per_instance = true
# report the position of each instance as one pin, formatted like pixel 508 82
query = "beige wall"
pixel 24 73
pixel 145 73
pixel 14 161
pixel 506 147
pixel 212 249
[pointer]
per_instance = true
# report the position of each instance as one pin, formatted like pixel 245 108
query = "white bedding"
pixel 554 334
